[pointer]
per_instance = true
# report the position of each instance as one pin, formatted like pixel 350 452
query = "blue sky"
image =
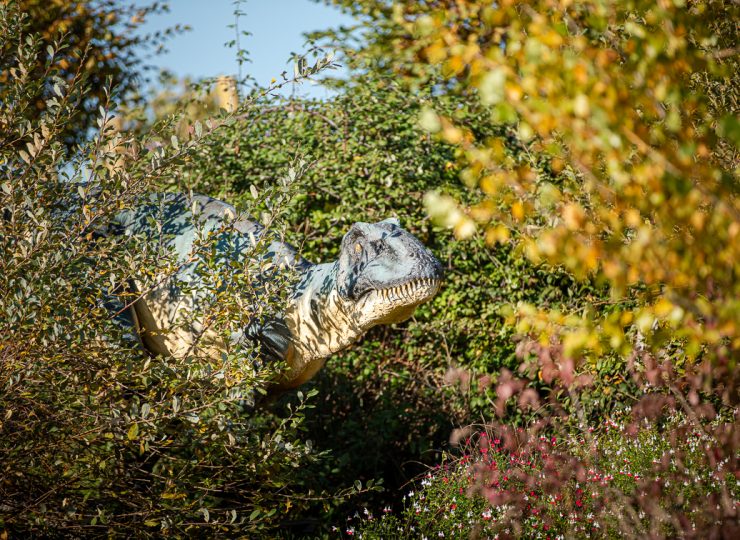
pixel 276 26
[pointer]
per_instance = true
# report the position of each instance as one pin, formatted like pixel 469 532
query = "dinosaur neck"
pixel 320 321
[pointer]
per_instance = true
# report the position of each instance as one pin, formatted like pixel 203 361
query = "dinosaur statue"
pixel 383 273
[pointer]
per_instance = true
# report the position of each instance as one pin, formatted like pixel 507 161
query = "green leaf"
pixel 429 121
pixel 729 128
pixel 133 432
pixel 491 86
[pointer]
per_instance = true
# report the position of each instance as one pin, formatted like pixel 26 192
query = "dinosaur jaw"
pixel 395 303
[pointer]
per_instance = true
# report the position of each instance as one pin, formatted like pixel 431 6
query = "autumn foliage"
pixel 627 114
pixel 573 164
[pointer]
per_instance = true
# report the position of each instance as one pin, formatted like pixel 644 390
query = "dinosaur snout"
pixel 438 271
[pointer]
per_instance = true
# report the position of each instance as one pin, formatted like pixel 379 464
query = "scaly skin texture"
pixel 382 274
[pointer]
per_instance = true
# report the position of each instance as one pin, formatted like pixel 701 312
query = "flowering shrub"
pixel 617 479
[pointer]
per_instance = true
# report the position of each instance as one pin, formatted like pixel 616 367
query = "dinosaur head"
pixel 385 272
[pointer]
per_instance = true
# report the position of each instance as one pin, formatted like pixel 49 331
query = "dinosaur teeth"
pixel 407 289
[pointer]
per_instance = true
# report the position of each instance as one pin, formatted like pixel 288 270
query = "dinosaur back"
pixel 166 315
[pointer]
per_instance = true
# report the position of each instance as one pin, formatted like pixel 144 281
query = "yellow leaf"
pixel 436 52
pixel 464 229
pixel 454 65
pixel 452 134
pixel 514 92
pixel 551 38
pixel 499 234
pixel 591 258
pixel 483 211
pixel 517 211
pixel 573 216
pixel 581 106
pixel 663 307
pixel 490 184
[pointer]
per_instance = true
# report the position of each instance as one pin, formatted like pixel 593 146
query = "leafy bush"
pixel 602 278
pixel 98 438
pixel 625 113
pixel 103 41
pixel 620 97
pixel 366 145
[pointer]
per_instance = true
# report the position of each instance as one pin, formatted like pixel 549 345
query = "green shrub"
pixel 97 439
pixel 397 392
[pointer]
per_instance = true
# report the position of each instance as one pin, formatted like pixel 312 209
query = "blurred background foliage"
pixel 574 166
pixel 102 43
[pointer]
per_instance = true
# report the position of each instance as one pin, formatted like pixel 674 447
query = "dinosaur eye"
pixel 358 248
